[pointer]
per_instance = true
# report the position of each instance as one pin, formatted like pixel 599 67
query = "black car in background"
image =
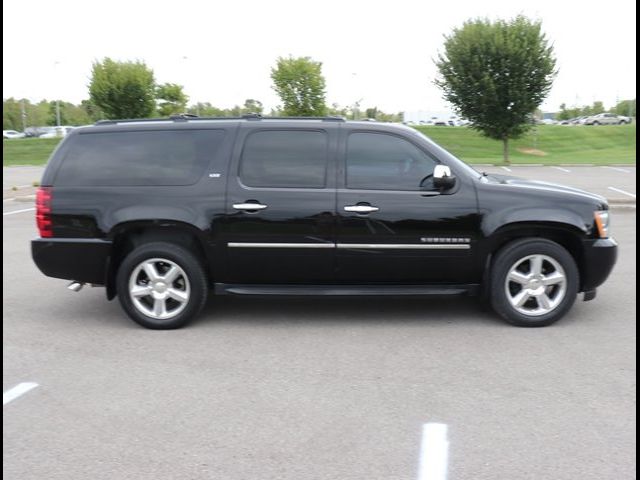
pixel 162 211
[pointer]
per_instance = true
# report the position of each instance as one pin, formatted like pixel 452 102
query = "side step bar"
pixel 344 290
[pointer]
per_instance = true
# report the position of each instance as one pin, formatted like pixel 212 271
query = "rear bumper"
pixel 599 258
pixel 80 259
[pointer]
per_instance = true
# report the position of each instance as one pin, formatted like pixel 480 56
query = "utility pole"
pixel 24 115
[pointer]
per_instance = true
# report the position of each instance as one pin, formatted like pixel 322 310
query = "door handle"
pixel 249 206
pixel 360 208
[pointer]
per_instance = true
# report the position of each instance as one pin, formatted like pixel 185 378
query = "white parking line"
pixel 563 169
pixel 618 169
pixel 505 168
pixel 20 389
pixel 19 211
pixel 434 452
pixel 622 191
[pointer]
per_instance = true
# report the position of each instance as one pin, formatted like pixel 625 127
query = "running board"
pixel 344 290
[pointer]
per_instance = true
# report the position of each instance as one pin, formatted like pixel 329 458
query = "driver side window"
pixel 377 161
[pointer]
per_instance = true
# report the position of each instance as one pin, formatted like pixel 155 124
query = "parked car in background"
pixel 607 119
pixel 12 134
pixel 34 132
pixel 56 132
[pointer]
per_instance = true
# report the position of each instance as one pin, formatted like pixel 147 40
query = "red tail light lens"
pixel 43 211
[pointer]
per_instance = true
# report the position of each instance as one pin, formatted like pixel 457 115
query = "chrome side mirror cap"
pixel 443 178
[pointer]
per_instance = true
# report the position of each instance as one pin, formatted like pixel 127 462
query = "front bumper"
pixel 599 258
pixel 81 259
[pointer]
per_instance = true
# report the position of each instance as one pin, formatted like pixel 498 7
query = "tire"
pixel 622 122
pixel 534 282
pixel 595 123
pixel 176 296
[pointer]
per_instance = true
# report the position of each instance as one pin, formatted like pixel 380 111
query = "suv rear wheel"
pixel 534 282
pixel 161 285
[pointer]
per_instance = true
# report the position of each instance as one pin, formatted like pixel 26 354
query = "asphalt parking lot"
pixel 314 388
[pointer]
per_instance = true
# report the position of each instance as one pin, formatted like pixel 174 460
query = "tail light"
pixel 43 211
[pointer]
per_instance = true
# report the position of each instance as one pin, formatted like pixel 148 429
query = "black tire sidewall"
pixel 520 249
pixel 181 256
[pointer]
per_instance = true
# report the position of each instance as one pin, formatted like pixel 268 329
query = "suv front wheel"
pixel 161 285
pixel 534 282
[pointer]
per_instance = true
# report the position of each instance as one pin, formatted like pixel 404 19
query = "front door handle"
pixel 360 208
pixel 249 206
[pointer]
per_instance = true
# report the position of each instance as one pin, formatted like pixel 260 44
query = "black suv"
pixel 161 211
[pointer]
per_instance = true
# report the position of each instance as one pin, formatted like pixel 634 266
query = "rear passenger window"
pixel 142 158
pixel 285 159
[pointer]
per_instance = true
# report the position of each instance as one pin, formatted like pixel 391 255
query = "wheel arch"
pixel 567 235
pixel 127 236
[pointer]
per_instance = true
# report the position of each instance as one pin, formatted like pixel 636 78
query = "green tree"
pixel 11 114
pixel 92 110
pixel 300 85
pixel 123 89
pixel 371 112
pixel 205 109
pixel 625 107
pixel 252 105
pixel 337 111
pixel 171 99
pixel 496 73
pixel 597 108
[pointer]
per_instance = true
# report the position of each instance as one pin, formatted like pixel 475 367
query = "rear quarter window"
pixel 138 158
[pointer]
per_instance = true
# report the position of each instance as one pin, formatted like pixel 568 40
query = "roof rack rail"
pixel 190 117
pixel 257 116
pixel 182 116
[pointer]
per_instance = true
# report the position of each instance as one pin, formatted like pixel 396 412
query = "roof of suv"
pixel 185 121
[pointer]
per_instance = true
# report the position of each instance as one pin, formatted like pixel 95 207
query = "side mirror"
pixel 442 177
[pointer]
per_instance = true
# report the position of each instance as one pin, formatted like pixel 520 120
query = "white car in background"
pixel 12 134
pixel 57 132
pixel 606 119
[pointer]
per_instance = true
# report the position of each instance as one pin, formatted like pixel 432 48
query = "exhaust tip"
pixel 75 286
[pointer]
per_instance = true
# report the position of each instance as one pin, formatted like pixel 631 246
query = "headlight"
pixel 602 222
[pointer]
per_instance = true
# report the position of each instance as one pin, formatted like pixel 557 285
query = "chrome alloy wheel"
pixel 159 288
pixel 535 285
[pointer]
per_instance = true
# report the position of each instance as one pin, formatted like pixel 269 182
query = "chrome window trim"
pixel 404 246
pixel 279 245
pixel 358 246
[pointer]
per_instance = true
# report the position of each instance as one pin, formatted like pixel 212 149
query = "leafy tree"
pixel 92 110
pixel 625 107
pixel 11 114
pixel 70 114
pixel 300 85
pixel 252 106
pixel 336 110
pixel 597 108
pixel 205 109
pixel 123 89
pixel 371 112
pixel 496 74
pixel 171 99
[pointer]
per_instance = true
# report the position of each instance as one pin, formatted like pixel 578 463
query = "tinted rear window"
pixel 284 158
pixel 167 157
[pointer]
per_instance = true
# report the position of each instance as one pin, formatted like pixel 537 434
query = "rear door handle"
pixel 249 206
pixel 360 208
